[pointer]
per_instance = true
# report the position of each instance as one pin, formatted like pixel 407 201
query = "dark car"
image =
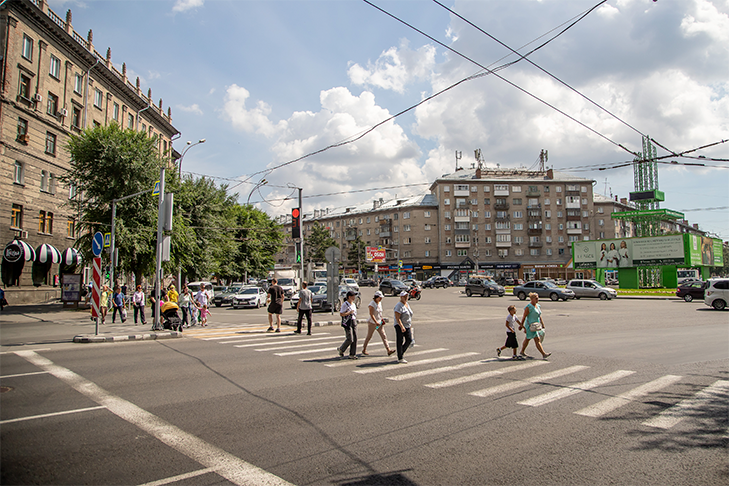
pixel 435 282
pixel 543 289
pixel 367 282
pixel 689 291
pixel 392 287
pixel 483 287
pixel 226 298
pixel 319 301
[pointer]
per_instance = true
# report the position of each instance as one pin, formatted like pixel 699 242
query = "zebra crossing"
pixel 426 363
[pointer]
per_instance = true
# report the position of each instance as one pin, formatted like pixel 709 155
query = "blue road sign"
pixel 97 244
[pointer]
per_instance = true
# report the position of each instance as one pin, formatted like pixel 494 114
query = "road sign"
pixel 107 240
pixel 333 254
pixel 155 191
pixel 96 286
pixel 97 243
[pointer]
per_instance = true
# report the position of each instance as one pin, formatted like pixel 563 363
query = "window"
pixel 519 252
pixel 503 225
pixel 600 210
pixel 368 220
pixel 98 98
pixel 503 253
pixel 515 188
pixel 474 202
pixel 584 188
pixel 427 227
pixel 368 232
pixel 406 227
pixel 487 226
pixel 549 252
pixel 70 228
pixel 448 253
pixel 407 241
pixel 55 68
pixel 474 227
pixel 52 104
pixel 518 240
pixel 561 240
pixel 115 115
pixel 547 226
pixel 27 47
pixel 50 143
pixel 44 181
pixel 22 130
pixel 130 121
pixel 501 187
pixel 461 226
pixel 474 188
pixel 546 189
pixel 427 240
pixel 586 226
pixel 584 201
pixel 487 214
pixel 447 201
pixel 18 173
pixel 45 222
pixel 76 117
pixel 561 251
pixel 503 238
pixel 561 226
pixel 487 201
pixel 72 190
pixel 377 218
pixel 463 238
pixel 474 214
pixel 427 253
pixel 446 188
pixel 585 214
pixel 602 234
pixel 558 189
pixel 426 214
pixel 549 239
pixel 16 217
pixel 78 84
pixel 447 214
pixel 534 252
pixel 487 240
pixel 461 187
pixel 559 201
pixel 559 214
pixel 518 226
pixel 462 253
pixel 516 201
pixel 447 227
pixel 518 214
pixel 24 89
pixel 462 213
pixel 337 224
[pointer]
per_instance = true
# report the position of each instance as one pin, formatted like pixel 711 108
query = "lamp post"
pixel 189 146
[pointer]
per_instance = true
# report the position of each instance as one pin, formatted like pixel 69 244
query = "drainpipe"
pixel 86 90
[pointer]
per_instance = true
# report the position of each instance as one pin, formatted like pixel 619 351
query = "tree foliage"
pixel 357 253
pixel 317 242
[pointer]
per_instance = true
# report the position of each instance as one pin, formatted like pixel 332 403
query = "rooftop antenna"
pixel 459 155
pixel 543 158
pixel 479 158
pixel 605 191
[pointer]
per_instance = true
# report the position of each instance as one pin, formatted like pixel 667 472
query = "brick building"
pixel 55 83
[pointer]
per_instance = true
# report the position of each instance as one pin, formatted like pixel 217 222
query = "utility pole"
pixel 301 235
pixel 158 270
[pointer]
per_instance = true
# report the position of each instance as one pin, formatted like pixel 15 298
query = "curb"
pixel 153 336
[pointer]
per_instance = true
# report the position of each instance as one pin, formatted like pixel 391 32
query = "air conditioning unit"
pixel 63 112
pixel 37 97
pixel 23 234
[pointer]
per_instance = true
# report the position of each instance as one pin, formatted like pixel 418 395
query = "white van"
pixel 195 286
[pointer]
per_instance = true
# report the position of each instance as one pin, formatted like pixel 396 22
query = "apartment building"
pixel 55 83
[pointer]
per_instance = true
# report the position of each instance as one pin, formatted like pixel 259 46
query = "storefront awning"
pixel 18 250
pixel 47 253
pixel 70 257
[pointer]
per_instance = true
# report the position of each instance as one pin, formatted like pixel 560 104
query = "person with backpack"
pixel 117 302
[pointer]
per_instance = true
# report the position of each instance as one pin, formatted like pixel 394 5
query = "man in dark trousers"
pixel 275 302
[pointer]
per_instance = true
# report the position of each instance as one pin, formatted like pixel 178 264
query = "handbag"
pixel 347 321
pixel 123 313
pixel 535 326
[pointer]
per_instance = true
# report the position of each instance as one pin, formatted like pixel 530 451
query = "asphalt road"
pixel 636 392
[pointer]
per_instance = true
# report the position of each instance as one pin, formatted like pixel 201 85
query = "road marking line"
pixel 610 404
pixel 719 391
pixel 514 385
pixel 382 359
pixel 15 352
pixel 227 465
pixel 570 390
pixel 24 374
pixel 433 371
pixel 296 340
pixel 485 374
pixel 179 477
pixel 387 366
pixel 54 414
pixel 308 351
pixel 298 346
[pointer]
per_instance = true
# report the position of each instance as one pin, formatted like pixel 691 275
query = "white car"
pixel 250 297
pixel 717 293
pixel 350 282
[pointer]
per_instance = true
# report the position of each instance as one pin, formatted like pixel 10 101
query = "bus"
pixel 684 274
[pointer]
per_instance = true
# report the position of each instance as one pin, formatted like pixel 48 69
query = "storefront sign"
pixel 375 254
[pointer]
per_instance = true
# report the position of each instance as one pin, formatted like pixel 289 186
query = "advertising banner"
pixel 375 254
pixel 629 252
pixel 704 251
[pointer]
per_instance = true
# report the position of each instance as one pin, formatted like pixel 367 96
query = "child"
pixel 511 341
pixel 204 313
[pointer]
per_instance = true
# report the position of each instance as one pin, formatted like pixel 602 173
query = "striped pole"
pixel 96 291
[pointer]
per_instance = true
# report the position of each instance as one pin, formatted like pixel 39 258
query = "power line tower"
pixel 543 159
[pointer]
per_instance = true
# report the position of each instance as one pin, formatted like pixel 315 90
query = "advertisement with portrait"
pixel 629 252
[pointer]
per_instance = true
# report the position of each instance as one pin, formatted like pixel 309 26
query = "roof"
pixel 509 175
pixel 422 200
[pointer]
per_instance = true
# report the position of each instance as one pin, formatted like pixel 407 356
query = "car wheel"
pixel 554 296
pixel 719 304
pixel 522 296
pixel 218 304
pixel 468 292
pixel 603 296
pixel 688 297
pixel 576 298
pixel 487 293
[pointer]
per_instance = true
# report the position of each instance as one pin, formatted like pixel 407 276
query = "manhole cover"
pixel 4 389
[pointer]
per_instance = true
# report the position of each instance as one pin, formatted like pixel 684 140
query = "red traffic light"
pixel 295 212
pixel 295 223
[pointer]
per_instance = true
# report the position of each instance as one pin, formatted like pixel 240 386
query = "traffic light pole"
pixel 158 270
pixel 301 235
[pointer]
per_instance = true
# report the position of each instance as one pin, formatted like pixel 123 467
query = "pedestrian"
pixel 201 301
pixel 304 308
pixel 376 323
pixel 118 304
pixel 3 302
pixel 172 294
pixel 184 301
pixel 403 324
pixel 511 341
pixel 104 303
pixel 275 300
pixel 348 312
pixel 533 324
pixel 138 302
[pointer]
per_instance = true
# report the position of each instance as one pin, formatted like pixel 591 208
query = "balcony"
pixel 351 235
pixel 505 217
pixel 463 244
pixel 535 231
pixel 503 244
pixel 535 244
pixel 534 216
pixel 535 207
pixel 572 193
pixel 463 205
pixel 501 205
pixel 385 234
pixel 572 216
pixel 533 192
pixel 574 231
pixel 461 193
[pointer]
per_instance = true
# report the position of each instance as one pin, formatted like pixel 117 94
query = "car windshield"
pixel 249 291
pixel 234 290
pixel 286 281
pixel 318 289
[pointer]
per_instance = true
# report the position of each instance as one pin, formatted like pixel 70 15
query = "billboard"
pixel 629 252
pixel 375 254
pixel 704 251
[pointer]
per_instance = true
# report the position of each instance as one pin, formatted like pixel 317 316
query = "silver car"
pixel 543 289
pixel 591 288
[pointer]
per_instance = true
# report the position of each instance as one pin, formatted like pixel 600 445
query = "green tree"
pixel 357 253
pixel 317 242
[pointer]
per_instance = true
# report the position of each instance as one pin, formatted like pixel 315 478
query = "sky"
pixel 267 82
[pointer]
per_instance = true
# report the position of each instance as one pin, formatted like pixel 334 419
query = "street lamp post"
pixel 189 146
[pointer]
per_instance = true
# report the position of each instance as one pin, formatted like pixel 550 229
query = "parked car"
pixel 717 293
pixel 249 297
pixel 226 298
pixel 591 288
pixel 392 287
pixel 350 282
pixel 435 282
pixel 314 290
pixel 543 290
pixel 288 285
pixel 367 282
pixel 483 287
pixel 689 291
pixel 320 300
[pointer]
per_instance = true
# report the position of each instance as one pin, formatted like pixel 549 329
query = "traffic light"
pixel 107 271
pixel 295 223
pixel 298 254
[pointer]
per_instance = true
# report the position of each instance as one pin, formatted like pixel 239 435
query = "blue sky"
pixel 266 82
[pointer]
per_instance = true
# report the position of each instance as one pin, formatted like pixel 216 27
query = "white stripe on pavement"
pixel 54 414
pixel 332 340
pixel 227 465
pixel 515 385
pixel 179 477
pixel 384 359
pixel 570 390
pixel 668 418
pixel 610 404
pixel 331 348
pixel 24 374
pixel 485 374
pixel 387 366
pixel 282 341
pixel 443 369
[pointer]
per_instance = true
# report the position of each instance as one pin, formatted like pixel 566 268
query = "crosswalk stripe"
pixel 610 404
pixel 433 371
pixel 272 337
pixel 485 374
pixel 331 348
pixel 297 339
pixel 297 346
pixel 570 390
pixel 514 385
pixel 386 366
pixel 718 391
pixel 385 359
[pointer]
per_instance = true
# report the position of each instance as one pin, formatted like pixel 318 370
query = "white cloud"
pixel 395 68
pixel 254 120
pixel 195 109
pixel 707 19
pixel 185 5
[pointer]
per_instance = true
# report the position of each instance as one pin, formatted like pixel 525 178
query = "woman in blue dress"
pixel 532 322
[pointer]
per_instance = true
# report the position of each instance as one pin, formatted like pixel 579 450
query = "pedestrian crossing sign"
pixel 107 240
pixel 155 191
